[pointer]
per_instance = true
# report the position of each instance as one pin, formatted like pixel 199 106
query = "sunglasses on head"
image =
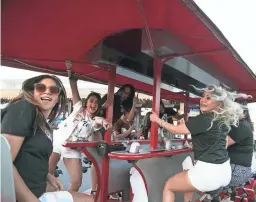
pixel 41 88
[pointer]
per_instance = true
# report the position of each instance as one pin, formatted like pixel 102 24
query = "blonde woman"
pixel 209 132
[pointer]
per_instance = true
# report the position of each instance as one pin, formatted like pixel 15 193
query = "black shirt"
pixel 32 159
pixel 209 143
pixel 241 152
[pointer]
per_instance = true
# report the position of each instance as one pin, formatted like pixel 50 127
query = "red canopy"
pixel 47 33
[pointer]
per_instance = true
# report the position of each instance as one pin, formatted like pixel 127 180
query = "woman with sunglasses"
pixel 209 133
pixel 83 125
pixel 25 124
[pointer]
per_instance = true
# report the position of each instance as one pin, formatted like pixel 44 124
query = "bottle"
pixel 168 144
pixel 135 147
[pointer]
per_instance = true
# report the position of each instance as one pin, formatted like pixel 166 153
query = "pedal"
pixel 57 173
pixel 245 193
pixel 87 161
pixel 85 169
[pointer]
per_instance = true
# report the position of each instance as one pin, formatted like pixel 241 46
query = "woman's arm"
pixel 23 194
pixel 74 90
pixel 104 100
pixel 73 82
pixel 179 116
pixel 179 129
pixel 131 114
pixel 101 122
pixel 230 141
pixel 121 136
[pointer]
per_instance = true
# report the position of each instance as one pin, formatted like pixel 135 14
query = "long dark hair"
pixel 129 100
pixel 27 94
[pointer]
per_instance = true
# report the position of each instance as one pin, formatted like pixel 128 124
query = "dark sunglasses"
pixel 41 88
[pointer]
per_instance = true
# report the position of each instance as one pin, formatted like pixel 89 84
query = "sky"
pixel 235 18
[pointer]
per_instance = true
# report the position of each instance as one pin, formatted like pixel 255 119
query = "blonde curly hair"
pixel 230 112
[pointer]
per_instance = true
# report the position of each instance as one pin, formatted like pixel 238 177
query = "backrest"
pixel 7 182
pixel 157 171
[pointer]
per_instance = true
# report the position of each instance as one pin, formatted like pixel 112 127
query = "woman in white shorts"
pixel 82 124
pixel 209 132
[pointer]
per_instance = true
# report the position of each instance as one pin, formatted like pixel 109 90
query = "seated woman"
pixel 81 124
pixel 25 124
pixel 123 127
pixel 209 131
pixel 168 112
pixel 124 96
pixel 240 150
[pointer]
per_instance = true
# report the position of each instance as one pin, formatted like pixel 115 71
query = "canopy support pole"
pixel 157 80
pixel 156 101
pixel 107 136
pixel 186 110
pixel 146 28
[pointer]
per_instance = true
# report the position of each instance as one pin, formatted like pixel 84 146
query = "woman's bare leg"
pixel 96 137
pixel 53 162
pixel 93 178
pixel 74 167
pixel 188 196
pixel 178 183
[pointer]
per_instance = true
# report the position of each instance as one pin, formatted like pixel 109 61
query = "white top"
pixel 66 127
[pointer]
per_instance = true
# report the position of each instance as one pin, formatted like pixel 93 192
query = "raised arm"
pixel 21 190
pixel 131 114
pixel 74 90
pixel 104 100
pixel 179 129
pixel 73 83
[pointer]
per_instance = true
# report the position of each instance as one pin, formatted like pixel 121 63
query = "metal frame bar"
pixel 143 16
pixel 156 101
pixel 107 136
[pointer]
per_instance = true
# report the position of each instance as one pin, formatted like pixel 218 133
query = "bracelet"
pixel 72 76
pixel 161 123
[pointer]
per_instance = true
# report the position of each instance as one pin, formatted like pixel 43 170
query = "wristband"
pixel 161 123
pixel 72 76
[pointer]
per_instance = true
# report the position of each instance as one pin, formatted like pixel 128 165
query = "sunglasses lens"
pixel 54 90
pixel 40 87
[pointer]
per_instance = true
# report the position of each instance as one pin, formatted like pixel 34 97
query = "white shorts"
pixel 66 152
pixel 209 177
pixel 58 196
